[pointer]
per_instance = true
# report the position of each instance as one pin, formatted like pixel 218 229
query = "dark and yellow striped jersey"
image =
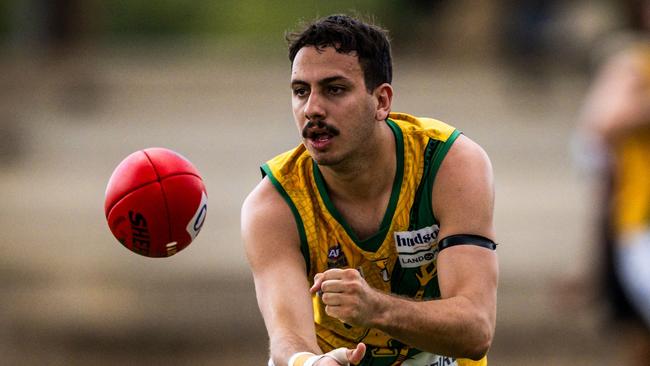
pixel 400 258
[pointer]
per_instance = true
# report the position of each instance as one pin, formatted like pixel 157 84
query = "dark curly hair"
pixel 347 34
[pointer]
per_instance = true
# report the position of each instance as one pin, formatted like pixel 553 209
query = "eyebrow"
pixel 322 81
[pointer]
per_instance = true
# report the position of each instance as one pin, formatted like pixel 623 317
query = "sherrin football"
pixel 155 202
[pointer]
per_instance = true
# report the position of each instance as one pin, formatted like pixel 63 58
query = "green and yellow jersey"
pixel 400 258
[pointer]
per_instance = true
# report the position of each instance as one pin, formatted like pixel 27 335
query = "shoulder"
pixel 264 203
pixel 463 191
pixel 465 164
pixel 289 162
pixel 429 127
pixel 268 227
pixel 466 155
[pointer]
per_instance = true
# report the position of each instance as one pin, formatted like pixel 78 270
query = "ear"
pixel 384 98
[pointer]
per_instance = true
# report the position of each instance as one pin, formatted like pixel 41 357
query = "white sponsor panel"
pixel 416 248
pixel 429 359
pixel 195 224
pixel 417 260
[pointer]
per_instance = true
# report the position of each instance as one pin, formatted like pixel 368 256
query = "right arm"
pixel 272 246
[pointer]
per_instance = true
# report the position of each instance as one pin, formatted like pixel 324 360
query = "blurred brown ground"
pixel 71 295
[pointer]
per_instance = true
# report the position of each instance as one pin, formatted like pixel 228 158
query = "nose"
pixel 314 109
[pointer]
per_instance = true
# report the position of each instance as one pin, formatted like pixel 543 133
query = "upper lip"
pixel 313 129
pixel 314 133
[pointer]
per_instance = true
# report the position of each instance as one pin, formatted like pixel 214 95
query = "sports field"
pixel 72 295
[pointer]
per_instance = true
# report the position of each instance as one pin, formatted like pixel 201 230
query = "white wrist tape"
pixel 300 359
pixel 309 359
pixel 340 355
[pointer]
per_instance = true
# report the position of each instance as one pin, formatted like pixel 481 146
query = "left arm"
pixel 462 322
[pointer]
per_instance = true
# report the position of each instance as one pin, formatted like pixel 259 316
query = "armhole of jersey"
pixel 304 248
pixel 436 161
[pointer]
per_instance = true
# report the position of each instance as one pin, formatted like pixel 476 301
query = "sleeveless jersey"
pixel 400 258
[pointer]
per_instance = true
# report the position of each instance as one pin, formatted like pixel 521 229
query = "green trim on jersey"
pixel 304 247
pixel 404 280
pixel 372 243
pixel 434 155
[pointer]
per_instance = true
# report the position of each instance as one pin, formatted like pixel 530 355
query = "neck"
pixel 367 176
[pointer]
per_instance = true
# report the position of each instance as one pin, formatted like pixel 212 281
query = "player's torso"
pixel 400 258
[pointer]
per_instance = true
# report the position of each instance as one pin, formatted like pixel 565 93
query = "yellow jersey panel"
pixel 631 192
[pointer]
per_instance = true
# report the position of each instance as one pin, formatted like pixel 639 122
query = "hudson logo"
pixel 336 257
pixel 140 238
pixel 416 248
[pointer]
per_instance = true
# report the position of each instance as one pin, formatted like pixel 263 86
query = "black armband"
pixel 466 239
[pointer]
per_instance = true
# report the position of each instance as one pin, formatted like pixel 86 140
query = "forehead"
pixel 313 63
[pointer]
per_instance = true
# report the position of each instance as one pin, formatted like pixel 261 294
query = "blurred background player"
pixel 615 134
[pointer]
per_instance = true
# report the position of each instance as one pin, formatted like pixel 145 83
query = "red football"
pixel 155 202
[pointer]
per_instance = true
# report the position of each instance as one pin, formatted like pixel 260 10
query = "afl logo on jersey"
pixel 336 257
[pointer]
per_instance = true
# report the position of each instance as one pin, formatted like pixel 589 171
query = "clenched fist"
pixel 348 297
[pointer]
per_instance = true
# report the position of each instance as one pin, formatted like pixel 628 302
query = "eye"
pixel 300 91
pixel 335 89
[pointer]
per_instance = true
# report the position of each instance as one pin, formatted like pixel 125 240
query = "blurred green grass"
pixel 225 17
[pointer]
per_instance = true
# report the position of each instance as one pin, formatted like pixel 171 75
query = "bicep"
pixel 463 199
pixel 272 247
pixel 471 272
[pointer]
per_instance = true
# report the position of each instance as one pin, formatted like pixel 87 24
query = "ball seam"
pixel 164 194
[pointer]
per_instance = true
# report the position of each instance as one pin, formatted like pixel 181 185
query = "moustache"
pixel 320 125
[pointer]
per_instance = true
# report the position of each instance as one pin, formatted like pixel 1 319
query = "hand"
pixel 352 356
pixel 347 296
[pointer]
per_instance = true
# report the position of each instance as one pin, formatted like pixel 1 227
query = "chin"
pixel 325 159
